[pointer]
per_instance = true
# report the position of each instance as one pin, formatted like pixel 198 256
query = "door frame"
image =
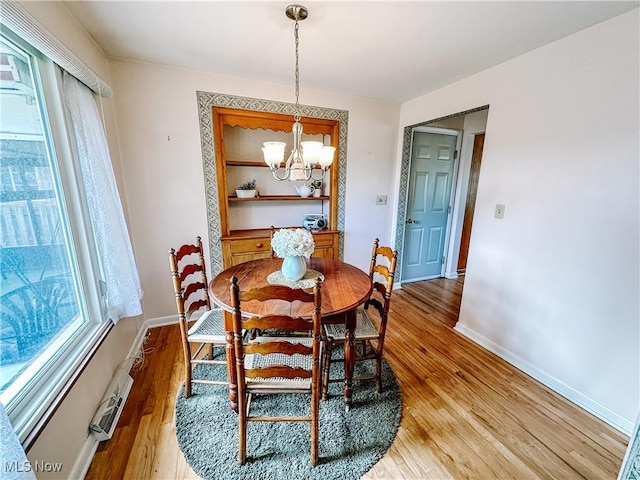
pixel 470 201
pixel 403 176
pixel 446 252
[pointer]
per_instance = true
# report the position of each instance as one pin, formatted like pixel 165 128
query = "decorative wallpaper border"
pixel 403 191
pixel 208 100
pixel 630 469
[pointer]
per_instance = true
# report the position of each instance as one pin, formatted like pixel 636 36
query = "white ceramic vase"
pixel 293 268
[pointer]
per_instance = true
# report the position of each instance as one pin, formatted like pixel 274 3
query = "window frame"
pixel 30 408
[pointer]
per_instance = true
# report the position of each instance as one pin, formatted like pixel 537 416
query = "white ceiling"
pixel 388 50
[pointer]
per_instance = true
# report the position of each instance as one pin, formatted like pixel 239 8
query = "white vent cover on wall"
pixel 106 418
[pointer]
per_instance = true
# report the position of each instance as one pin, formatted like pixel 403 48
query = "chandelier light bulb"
pixel 326 156
pixel 273 153
pixel 311 152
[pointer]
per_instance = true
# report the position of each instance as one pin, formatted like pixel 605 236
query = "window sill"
pixel 32 409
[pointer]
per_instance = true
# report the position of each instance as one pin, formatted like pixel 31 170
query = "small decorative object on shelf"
pixel 317 186
pixel 314 221
pixel 304 190
pixel 247 190
pixel 293 245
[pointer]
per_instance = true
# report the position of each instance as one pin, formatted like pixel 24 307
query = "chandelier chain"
pixel 316 156
pixel 296 27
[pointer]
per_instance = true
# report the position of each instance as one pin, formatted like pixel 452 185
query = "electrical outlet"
pixel 381 199
pixel 499 210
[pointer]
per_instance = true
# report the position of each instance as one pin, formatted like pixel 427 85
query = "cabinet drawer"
pixel 250 245
pixel 323 240
pixel 237 258
pixel 323 253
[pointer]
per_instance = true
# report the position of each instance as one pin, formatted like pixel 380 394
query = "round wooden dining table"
pixel 343 289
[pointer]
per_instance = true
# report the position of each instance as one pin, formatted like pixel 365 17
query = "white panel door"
pixel 428 205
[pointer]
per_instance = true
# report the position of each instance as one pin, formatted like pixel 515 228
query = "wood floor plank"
pixel 466 412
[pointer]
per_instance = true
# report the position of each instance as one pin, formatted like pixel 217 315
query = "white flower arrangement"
pixel 293 243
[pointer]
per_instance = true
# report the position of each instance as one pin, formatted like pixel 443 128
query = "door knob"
pixel 410 220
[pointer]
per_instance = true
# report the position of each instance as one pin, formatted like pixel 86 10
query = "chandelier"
pixel 306 157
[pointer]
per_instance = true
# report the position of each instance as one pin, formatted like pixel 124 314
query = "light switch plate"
pixel 499 210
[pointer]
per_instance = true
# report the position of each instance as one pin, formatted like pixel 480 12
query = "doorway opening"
pixel 418 192
pixel 432 172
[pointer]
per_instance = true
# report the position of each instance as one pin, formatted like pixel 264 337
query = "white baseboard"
pixel 159 322
pixel 616 421
pixel 83 462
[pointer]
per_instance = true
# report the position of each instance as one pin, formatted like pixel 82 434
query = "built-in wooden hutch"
pixel 245 223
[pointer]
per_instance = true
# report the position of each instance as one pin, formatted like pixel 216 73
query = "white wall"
pixel 554 286
pixel 66 434
pixel 158 129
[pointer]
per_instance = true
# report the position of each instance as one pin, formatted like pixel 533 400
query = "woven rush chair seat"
pixel 208 327
pixel 294 361
pixel 365 329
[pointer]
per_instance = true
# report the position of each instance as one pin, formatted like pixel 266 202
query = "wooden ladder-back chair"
pixel 267 364
pixel 190 287
pixel 371 327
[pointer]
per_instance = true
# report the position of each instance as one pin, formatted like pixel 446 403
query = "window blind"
pixel 23 24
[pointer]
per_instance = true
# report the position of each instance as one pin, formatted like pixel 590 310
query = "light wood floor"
pixel 466 413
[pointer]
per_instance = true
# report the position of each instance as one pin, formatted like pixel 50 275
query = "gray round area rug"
pixel 350 443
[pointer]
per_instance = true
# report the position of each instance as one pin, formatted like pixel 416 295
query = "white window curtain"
pixel 15 465
pixel 123 292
